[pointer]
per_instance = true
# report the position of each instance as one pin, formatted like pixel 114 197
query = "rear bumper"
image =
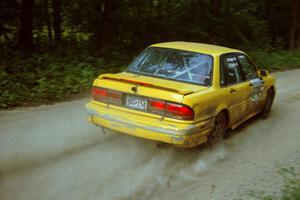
pixel 186 135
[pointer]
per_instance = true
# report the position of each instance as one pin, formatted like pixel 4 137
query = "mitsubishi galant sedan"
pixel 182 93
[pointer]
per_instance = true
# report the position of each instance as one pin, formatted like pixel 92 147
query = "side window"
pixel 230 70
pixel 249 70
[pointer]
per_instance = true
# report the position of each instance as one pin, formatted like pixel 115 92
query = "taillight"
pixel 107 96
pixel 179 111
pixel 99 94
pixel 156 106
pixel 173 110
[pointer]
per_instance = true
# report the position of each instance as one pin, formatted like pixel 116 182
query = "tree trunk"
pixel 25 34
pixel 48 21
pixel 105 34
pixel 215 8
pixel 56 21
pixel 298 37
pixel 293 27
pixel 107 25
pixel 298 29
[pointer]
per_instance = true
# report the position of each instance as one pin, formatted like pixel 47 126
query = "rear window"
pixel 174 64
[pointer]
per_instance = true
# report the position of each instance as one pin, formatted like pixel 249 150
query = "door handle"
pixel 232 90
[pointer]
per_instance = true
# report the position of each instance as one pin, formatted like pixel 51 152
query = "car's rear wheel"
pixel 217 134
pixel 265 112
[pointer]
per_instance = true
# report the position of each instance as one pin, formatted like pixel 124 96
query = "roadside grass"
pixel 278 60
pixel 59 75
pixel 290 189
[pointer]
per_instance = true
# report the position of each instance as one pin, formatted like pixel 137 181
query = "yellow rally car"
pixel 182 93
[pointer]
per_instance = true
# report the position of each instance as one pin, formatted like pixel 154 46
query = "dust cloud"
pixel 205 160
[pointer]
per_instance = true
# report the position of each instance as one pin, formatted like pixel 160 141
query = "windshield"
pixel 174 64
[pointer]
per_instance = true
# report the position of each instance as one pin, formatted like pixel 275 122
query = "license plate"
pixel 136 102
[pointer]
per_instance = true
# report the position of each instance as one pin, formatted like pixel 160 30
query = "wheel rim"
pixel 218 132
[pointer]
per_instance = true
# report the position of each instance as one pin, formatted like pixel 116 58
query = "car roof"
pixel 196 47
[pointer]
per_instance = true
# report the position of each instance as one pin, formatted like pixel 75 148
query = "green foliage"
pixel 276 60
pixel 46 77
pixel 290 189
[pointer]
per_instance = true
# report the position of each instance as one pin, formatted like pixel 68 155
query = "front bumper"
pixel 119 119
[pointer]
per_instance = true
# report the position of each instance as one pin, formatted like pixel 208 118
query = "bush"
pixel 46 77
pixel 278 60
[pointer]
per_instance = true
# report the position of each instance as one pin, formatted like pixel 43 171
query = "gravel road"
pixel 51 152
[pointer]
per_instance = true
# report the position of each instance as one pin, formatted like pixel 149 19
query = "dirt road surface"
pixel 51 152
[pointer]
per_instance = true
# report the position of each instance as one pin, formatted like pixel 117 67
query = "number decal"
pixel 256 89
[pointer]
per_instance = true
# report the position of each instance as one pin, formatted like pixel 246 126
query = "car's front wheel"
pixel 217 134
pixel 265 112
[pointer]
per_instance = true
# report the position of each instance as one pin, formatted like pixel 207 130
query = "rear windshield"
pixel 174 64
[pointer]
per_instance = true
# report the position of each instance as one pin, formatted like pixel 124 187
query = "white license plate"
pixel 136 102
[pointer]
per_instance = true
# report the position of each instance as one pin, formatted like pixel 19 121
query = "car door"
pixel 255 83
pixel 237 89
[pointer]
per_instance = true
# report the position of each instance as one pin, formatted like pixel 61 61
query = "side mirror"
pixel 264 73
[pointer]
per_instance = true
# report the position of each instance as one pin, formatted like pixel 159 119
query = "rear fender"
pixel 220 108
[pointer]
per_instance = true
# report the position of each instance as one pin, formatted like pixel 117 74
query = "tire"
pixel 265 112
pixel 217 134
